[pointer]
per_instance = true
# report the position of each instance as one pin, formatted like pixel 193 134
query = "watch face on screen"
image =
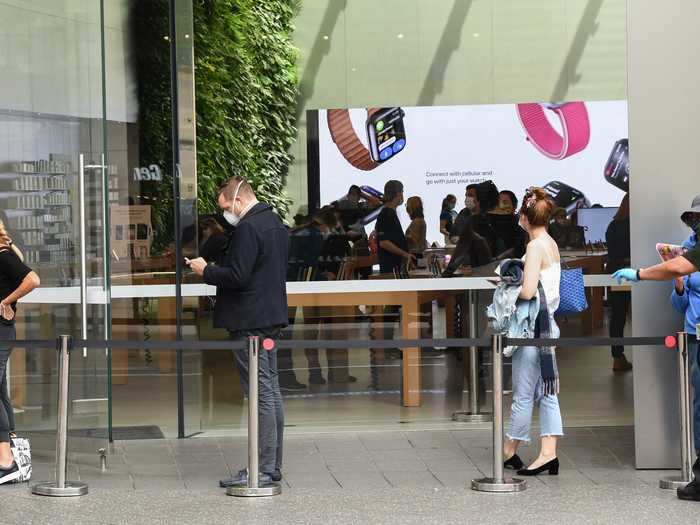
pixel 386 134
pixel 617 169
pixel 567 197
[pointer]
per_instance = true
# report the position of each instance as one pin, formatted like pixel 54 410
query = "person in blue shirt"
pixel 685 298
pixel 684 270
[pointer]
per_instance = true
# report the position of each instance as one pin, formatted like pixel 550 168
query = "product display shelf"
pixel 36 197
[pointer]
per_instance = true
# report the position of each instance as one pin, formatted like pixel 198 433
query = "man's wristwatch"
pixel 547 140
pixel 639 277
pixel 386 136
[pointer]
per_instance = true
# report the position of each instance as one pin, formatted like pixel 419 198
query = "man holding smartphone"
pixel 251 300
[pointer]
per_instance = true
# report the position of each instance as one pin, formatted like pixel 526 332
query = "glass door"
pixel 53 168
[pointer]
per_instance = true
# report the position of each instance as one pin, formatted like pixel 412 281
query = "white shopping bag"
pixel 23 458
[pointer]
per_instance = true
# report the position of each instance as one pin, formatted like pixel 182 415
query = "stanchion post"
pixel 686 475
pixel 253 488
pixel 498 482
pixel 61 487
pixel 472 415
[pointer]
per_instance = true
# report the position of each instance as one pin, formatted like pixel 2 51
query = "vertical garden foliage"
pixel 246 86
pixel 245 96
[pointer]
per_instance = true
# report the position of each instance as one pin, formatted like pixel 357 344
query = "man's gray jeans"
pixel 270 410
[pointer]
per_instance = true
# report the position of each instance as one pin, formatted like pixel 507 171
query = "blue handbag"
pixel 572 293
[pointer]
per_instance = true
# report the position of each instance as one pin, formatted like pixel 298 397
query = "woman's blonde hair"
pixel 6 241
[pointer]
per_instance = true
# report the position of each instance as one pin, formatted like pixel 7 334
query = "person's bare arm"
pixel 673 269
pixel 30 282
pixel 533 265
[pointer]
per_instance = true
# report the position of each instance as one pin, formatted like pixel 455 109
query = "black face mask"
pixel 694 224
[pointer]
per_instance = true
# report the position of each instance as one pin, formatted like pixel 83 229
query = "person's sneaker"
pixel 242 479
pixel 11 473
pixel 276 475
pixel 691 492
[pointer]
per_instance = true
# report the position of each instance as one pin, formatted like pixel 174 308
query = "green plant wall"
pixel 246 94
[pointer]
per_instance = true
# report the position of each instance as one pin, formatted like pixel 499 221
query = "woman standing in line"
pixel 16 281
pixel 416 231
pixel 534 369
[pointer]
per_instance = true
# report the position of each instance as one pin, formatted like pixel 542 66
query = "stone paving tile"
pixel 432 440
pixel 449 464
pixel 617 477
pixel 351 465
pixel 307 480
pixel 366 480
pixel 385 441
pixel 413 479
pixel 157 482
pixel 457 478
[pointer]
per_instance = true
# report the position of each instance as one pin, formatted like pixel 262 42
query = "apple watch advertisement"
pixel 572 149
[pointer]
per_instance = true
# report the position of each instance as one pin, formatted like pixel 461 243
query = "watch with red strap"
pixel 576 128
pixel 386 136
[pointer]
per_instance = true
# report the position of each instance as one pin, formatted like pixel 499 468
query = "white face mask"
pixel 231 216
pixel 470 203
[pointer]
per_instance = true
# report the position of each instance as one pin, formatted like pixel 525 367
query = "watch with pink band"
pixel 547 140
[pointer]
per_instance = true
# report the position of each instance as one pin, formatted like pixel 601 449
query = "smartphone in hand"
pixel 669 251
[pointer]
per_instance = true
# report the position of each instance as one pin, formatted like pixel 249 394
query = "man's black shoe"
pixel 276 475
pixel 691 492
pixel 316 378
pixel 241 479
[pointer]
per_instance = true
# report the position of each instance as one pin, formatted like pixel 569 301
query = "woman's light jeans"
pixel 528 391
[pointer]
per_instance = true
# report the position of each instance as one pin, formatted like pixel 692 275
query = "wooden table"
pixel 411 303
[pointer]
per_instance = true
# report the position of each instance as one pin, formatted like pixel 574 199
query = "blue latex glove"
pixel 625 274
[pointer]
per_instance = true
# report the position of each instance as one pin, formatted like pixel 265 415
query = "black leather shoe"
pixel 514 463
pixel 691 492
pixel 552 466
pixel 276 475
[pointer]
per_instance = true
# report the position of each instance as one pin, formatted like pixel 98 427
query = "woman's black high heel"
pixel 552 466
pixel 514 463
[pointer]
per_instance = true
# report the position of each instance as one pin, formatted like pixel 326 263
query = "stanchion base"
pixel 492 485
pixel 50 488
pixel 468 417
pixel 672 483
pixel 243 491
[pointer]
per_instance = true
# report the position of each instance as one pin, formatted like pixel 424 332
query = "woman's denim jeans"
pixel 527 390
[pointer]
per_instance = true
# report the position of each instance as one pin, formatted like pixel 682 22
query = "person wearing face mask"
pixel 446 216
pixel 251 300
pixel 470 201
pixel 683 270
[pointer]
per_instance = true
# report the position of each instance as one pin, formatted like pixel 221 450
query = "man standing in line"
pixel 251 300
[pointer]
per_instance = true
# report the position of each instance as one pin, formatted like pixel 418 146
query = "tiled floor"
pixel 373 477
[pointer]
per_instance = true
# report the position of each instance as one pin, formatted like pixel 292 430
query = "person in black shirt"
pixel 471 250
pixel 617 237
pixel 214 240
pixel 393 247
pixel 16 281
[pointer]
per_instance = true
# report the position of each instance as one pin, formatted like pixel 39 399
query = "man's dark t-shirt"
pixel 12 273
pixel 389 229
